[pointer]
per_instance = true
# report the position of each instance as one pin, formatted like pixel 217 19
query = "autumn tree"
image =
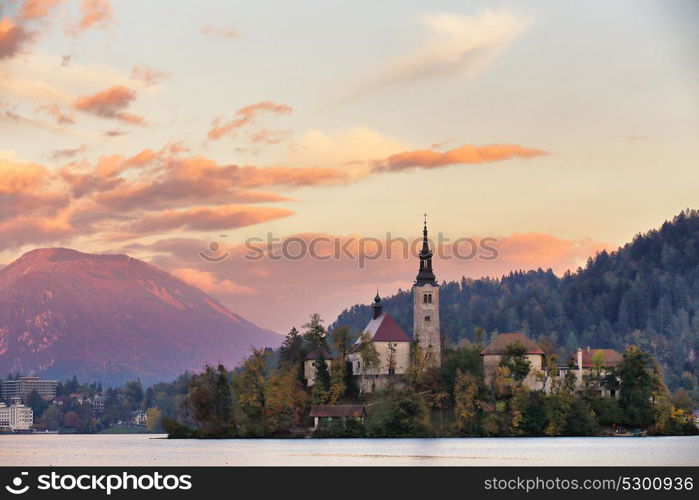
pixel 212 401
pixel 465 402
pixel 515 359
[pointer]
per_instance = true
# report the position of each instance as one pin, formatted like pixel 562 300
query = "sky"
pixel 172 129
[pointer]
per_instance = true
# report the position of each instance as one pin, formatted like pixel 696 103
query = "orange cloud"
pixel 466 154
pixel 13 38
pixel 208 218
pixel 110 103
pixel 95 13
pixel 32 10
pixel 209 283
pixel 245 116
pixel 223 32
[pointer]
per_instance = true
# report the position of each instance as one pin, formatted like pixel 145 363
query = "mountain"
pixel 646 293
pixel 112 318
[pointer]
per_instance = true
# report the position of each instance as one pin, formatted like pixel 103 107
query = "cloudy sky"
pixel 157 128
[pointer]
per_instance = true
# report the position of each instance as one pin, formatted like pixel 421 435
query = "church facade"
pixel 393 345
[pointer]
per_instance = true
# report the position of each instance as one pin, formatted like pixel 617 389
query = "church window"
pixel 427 318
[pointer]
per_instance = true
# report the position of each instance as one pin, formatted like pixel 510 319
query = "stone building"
pixel 392 345
pixel 587 361
pixel 492 356
pixel 426 330
pixel 309 365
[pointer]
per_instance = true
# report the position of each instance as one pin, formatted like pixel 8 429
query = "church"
pixel 393 345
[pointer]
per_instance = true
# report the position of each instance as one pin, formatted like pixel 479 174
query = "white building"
pixel 310 370
pixel 392 345
pixel 15 417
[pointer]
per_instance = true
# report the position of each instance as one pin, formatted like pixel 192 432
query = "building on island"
pixel 587 362
pixel 309 365
pixel 492 356
pixel 392 343
pixel 584 364
pixel 327 413
pixel 16 417
pixel 21 388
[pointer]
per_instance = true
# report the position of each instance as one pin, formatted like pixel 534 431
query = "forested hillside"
pixel 645 293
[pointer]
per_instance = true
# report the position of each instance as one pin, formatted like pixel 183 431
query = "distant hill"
pixel 112 318
pixel 645 293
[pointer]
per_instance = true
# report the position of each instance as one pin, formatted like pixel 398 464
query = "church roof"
pixel 386 329
pixel 500 343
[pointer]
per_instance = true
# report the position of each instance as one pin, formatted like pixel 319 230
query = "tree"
pixel 342 339
pixel 368 355
pixel 515 358
pixel 405 415
pixel 37 404
pixel 286 402
pixel 249 387
pixel 465 402
pixel 337 382
pixel 212 401
pixel 153 419
pixel 315 334
pixel 71 420
pixel 638 383
pixel 52 418
pixel 292 352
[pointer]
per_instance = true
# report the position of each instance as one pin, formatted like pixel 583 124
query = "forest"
pixel 644 294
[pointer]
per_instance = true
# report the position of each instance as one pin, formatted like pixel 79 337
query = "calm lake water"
pixel 124 450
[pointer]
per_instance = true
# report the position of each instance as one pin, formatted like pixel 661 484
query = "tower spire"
pixel 425 273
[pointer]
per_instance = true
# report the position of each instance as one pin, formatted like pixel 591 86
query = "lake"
pixel 154 450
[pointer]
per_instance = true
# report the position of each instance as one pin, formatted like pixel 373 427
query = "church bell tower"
pixel 426 307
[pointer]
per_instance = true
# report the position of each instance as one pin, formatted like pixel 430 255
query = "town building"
pixel 21 388
pixel 587 361
pixel 328 413
pixel 16 417
pixel 492 356
pixel 310 370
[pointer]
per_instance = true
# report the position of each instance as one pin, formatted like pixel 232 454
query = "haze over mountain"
pixel 112 318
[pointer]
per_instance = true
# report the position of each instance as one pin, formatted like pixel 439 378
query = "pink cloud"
pixel 13 38
pixel 244 117
pixel 110 103
pixel 466 154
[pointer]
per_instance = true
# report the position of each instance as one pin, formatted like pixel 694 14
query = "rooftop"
pixel 386 329
pixel 500 343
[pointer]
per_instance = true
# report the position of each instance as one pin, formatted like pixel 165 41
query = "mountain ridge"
pixel 112 317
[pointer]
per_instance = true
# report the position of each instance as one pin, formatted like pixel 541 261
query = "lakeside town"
pixel 378 382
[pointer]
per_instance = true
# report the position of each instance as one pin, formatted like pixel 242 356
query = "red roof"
pixel 386 329
pixel 314 355
pixel 498 345
pixel 609 356
pixel 337 411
